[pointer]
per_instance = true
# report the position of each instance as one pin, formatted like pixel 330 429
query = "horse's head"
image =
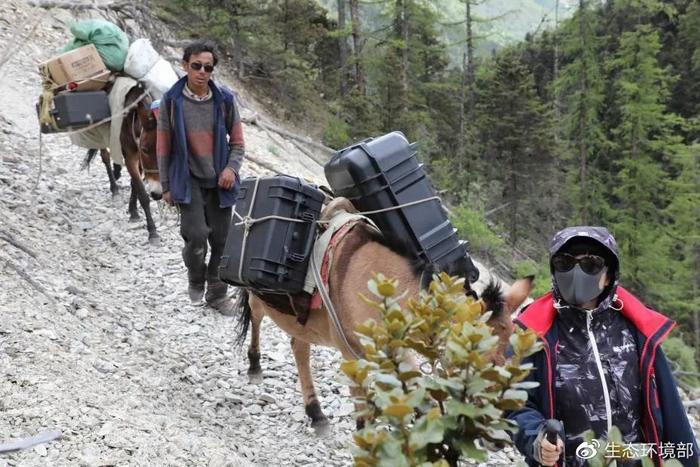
pixel 502 307
pixel 463 267
pixel 147 146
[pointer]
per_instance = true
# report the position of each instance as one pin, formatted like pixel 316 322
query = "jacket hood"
pixel 600 235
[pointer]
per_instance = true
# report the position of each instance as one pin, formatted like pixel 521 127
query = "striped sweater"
pixel 199 125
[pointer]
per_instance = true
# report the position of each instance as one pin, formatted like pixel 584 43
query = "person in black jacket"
pixel 601 364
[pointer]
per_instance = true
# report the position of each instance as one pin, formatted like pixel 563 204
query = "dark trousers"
pixel 203 223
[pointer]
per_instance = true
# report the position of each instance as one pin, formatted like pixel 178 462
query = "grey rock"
pixel 268 399
pixel 253 409
pixel 40 450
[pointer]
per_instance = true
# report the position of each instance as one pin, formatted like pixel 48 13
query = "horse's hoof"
pixel 255 378
pixel 154 240
pixel 133 219
pixel 322 428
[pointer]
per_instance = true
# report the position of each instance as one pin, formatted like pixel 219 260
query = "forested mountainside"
pixel 497 22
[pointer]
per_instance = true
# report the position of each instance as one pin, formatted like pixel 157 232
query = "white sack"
pixel 140 58
pixel 160 78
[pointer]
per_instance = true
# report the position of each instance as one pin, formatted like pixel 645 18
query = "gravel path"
pixel 97 337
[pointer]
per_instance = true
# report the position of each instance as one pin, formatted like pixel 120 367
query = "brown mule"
pixel 360 254
pixel 138 141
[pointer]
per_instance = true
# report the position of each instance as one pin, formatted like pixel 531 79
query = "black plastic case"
pixel 384 172
pixel 277 252
pixel 75 110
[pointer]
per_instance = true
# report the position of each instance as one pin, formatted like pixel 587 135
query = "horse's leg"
pixel 113 187
pixel 358 393
pixel 254 369
pixel 133 211
pixel 302 354
pixel 132 165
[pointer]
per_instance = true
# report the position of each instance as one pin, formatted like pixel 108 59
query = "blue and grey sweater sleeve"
pixel 236 146
pixel 163 143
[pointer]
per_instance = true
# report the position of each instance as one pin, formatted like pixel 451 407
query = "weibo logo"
pixel 588 450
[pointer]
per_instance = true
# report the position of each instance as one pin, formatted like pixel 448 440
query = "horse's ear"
pixel 518 293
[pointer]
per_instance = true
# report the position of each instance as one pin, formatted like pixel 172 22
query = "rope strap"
pixel 45 115
pixel 332 314
pixel 405 205
pixel 248 221
pixel 246 228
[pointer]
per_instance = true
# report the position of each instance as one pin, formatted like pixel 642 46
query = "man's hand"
pixel 227 178
pixel 168 198
pixel 550 453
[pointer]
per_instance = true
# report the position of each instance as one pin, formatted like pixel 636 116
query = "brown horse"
pixel 138 142
pixel 357 256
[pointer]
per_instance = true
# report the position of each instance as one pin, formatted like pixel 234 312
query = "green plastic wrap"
pixel 109 40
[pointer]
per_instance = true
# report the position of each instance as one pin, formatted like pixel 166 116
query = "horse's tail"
pixel 244 315
pixel 91 153
pixel 493 297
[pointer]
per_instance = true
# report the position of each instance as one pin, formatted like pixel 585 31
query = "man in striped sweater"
pixel 200 152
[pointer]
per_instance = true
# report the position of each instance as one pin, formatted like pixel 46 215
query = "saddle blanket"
pixel 338 226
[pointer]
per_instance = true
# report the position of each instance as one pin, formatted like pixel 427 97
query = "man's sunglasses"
pixel 198 66
pixel 590 264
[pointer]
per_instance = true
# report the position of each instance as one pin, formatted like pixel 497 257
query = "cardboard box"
pixel 76 65
pixel 95 83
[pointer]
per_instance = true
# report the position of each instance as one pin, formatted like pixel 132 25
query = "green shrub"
pixel 472 227
pixel 335 134
pixel 682 357
pixel 543 277
pixel 440 410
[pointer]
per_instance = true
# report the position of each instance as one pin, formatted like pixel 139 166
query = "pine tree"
pixel 686 57
pixel 467 153
pixel 684 296
pixel 409 58
pixel 580 86
pixel 516 133
pixel 357 46
pixel 644 139
pixel 342 48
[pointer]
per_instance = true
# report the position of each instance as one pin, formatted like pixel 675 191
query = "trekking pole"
pixel 552 429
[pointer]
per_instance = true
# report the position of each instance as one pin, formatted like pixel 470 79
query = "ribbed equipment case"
pixel 274 257
pixel 383 173
pixel 74 110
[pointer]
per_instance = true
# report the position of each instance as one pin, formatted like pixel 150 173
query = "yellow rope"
pixel 46 99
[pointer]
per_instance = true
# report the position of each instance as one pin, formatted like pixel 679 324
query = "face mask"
pixel 577 287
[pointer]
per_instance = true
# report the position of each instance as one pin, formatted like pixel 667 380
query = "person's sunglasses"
pixel 590 264
pixel 198 66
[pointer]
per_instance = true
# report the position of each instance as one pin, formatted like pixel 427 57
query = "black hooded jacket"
pixel 597 368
